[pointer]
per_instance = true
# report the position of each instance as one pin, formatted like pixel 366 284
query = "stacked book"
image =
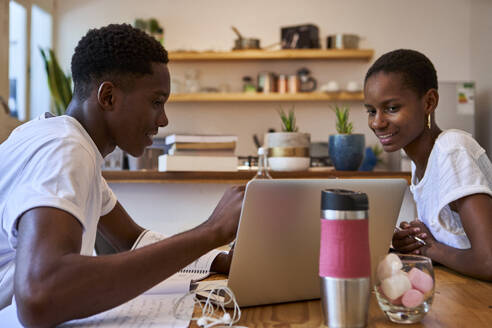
pixel 199 153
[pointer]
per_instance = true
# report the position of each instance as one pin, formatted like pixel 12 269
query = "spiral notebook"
pixel 180 282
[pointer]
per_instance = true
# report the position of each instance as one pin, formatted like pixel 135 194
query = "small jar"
pixel 293 84
pixel 248 85
pixel 282 83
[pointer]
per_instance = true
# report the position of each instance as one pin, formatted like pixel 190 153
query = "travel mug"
pixel 344 263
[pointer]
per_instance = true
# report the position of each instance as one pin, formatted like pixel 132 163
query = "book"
pixel 169 163
pixel 204 145
pixel 200 152
pixel 175 138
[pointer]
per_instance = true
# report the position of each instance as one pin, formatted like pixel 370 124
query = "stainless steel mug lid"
pixel 343 200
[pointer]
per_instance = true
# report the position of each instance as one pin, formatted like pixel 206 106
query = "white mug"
pixel 353 86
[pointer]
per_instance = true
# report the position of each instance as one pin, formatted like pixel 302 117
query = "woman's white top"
pixel 457 167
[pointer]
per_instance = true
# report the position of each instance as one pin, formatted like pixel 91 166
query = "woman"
pixel 451 173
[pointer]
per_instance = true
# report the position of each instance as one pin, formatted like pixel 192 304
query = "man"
pixel 53 197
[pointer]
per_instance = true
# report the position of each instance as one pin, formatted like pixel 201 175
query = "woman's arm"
pixel 476 217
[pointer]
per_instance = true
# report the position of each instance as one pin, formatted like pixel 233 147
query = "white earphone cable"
pixel 216 301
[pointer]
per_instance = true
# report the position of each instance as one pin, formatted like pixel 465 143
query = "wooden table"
pixel 459 301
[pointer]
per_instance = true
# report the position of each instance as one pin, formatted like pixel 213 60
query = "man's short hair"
pixel 417 71
pixel 116 53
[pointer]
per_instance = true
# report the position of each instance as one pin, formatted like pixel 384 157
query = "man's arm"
pixel 118 229
pixel 54 283
pixel 120 232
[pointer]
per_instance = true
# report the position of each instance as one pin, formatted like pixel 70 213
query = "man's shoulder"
pixel 58 126
pixel 59 131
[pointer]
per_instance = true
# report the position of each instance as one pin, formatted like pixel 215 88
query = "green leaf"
pixel 342 124
pixel 60 85
pixel 288 120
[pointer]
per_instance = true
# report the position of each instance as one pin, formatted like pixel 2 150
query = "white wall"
pixel 440 28
pixel 481 69
pixel 450 32
pixel 169 208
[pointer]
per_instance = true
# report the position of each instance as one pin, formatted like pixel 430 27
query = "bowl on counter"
pixel 289 163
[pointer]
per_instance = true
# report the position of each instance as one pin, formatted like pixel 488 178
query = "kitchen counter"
pixel 143 176
pixel 172 202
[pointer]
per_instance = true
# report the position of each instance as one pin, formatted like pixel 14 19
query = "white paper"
pixel 152 309
pixel 143 311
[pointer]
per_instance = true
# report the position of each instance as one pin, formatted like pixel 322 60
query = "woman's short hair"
pixel 417 71
pixel 116 53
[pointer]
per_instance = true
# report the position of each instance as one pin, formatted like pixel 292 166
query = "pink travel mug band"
pixel 344 249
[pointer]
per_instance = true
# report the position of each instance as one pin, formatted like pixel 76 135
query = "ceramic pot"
pixel 346 151
pixel 288 151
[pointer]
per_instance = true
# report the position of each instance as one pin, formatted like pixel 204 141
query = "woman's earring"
pixel 429 121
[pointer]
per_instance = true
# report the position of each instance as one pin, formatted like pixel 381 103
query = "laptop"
pixel 277 247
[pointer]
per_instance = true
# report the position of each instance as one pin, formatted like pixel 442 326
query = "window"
pixel 30 27
pixel 40 37
pixel 17 60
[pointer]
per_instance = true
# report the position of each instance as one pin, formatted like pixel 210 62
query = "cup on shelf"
pixel 331 86
pixel 405 287
pixel 353 86
pixel 191 81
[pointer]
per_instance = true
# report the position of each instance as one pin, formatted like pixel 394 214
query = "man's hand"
pixel 403 240
pixel 222 263
pixel 225 217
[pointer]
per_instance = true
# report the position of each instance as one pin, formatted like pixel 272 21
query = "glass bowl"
pixel 405 287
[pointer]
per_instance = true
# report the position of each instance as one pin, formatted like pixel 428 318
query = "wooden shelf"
pixel 242 96
pixel 126 176
pixel 356 54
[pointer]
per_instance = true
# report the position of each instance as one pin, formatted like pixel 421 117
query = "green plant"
pixel 343 125
pixel 288 120
pixel 151 26
pixel 154 26
pixel 378 151
pixel 141 24
pixel 60 85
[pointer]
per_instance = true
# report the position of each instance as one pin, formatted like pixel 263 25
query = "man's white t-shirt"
pixel 49 162
pixel 457 167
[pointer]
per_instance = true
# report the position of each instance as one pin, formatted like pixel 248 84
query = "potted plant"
pixel 152 27
pixel 60 85
pixel 372 157
pixel 288 150
pixel 346 149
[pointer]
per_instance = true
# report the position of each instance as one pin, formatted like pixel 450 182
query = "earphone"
pixel 216 301
pixel 207 322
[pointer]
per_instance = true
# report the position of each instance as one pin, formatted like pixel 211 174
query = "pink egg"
pixel 412 298
pixel 420 280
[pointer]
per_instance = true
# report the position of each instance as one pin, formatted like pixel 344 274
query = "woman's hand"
pixel 403 240
pixel 425 235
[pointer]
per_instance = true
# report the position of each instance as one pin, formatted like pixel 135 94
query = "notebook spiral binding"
pixel 194 271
